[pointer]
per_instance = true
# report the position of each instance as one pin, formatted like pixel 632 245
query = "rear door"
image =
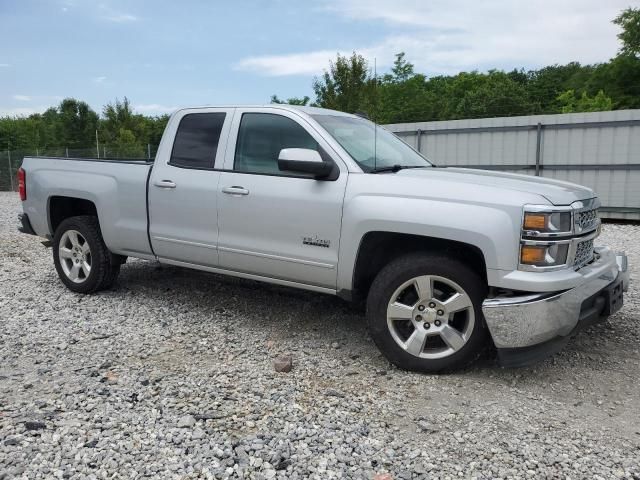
pixel 273 223
pixel 183 212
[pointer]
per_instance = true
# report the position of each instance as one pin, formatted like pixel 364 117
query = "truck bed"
pixel 117 189
pixel 135 161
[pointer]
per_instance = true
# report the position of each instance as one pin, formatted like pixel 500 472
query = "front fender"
pixel 492 229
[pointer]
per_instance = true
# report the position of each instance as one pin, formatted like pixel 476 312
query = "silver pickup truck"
pixel 449 261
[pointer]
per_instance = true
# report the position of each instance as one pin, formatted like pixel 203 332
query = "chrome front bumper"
pixel 528 320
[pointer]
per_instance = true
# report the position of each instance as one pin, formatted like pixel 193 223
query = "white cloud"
pixel 100 79
pixel 447 36
pixel 22 98
pixel 153 108
pixel 291 64
pixel 4 65
pixel 103 10
pixel 111 15
pixel 106 12
pixel 120 17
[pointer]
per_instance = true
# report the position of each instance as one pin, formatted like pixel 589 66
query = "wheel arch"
pixel 60 207
pixel 378 248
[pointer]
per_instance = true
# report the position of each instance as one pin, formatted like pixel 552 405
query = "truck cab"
pixel 227 204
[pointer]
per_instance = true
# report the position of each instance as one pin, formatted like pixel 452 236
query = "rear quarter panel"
pixel 117 189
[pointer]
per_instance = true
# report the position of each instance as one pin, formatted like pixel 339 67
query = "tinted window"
pixel 196 141
pixel 262 136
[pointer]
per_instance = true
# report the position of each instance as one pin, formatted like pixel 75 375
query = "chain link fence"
pixel 10 160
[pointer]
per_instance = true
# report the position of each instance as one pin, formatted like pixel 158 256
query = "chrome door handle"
pixel 164 184
pixel 235 190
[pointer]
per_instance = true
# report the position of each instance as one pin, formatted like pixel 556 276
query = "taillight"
pixel 22 184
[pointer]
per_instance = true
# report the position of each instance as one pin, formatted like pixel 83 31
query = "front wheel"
pixel 82 260
pixel 424 312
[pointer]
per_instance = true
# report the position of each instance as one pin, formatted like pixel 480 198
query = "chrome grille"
pixel 584 253
pixel 586 220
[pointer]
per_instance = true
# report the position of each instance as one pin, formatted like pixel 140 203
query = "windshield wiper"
pixel 395 168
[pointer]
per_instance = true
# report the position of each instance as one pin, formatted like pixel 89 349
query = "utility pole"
pixel 9 160
pixel 10 173
pixel 97 144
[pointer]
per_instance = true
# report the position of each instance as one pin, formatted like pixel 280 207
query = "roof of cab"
pixel 279 106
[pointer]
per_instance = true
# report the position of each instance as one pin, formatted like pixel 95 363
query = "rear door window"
pixel 197 140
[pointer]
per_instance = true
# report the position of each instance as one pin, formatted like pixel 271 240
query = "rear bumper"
pixel 25 224
pixel 527 328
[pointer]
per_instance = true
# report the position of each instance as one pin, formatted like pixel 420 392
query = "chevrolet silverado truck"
pixel 449 261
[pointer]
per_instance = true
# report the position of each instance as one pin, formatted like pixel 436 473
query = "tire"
pixel 441 330
pixel 82 260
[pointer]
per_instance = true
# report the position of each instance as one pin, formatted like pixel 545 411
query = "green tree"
pixel 619 78
pixel 400 96
pixel 629 21
pixel 72 125
pixel 291 101
pixel 408 101
pixel 402 70
pixel 118 115
pixel 584 103
pixel 546 84
pixel 347 85
pixel 124 132
pixel 155 128
pixel 126 144
pixel 495 94
pixel 76 124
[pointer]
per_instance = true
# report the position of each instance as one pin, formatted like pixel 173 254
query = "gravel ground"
pixel 170 375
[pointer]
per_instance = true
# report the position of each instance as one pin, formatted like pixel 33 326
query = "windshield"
pixel 356 136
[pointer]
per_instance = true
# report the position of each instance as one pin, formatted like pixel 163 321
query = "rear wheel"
pixel 82 260
pixel 424 312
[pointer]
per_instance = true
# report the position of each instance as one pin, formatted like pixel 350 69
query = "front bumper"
pixel 526 328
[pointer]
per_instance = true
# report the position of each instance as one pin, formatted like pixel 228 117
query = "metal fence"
pixel 10 160
pixel 598 149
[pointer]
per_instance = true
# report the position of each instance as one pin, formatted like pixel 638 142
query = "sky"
pixel 164 54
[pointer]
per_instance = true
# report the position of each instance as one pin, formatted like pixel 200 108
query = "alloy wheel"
pixel 75 256
pixel 430 317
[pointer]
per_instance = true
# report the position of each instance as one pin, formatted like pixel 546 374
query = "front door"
pixel 183 211
pixel 271 223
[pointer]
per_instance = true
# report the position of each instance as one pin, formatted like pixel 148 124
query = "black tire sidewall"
pixel 88 229
pixel 403 269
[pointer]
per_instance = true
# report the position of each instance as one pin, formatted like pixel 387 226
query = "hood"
pixel 556 192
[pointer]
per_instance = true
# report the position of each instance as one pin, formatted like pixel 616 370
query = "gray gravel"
pixel 171 375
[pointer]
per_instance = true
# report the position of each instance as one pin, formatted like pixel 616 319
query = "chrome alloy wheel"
pixel 75 256
pixel 430 317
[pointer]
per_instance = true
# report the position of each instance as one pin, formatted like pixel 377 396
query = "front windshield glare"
pixel 371 151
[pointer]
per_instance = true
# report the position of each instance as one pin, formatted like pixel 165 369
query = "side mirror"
pixel 304 160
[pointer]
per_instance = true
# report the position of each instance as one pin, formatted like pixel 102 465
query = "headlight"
pixel 554 237
pixel 544 254
pixel 547 222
